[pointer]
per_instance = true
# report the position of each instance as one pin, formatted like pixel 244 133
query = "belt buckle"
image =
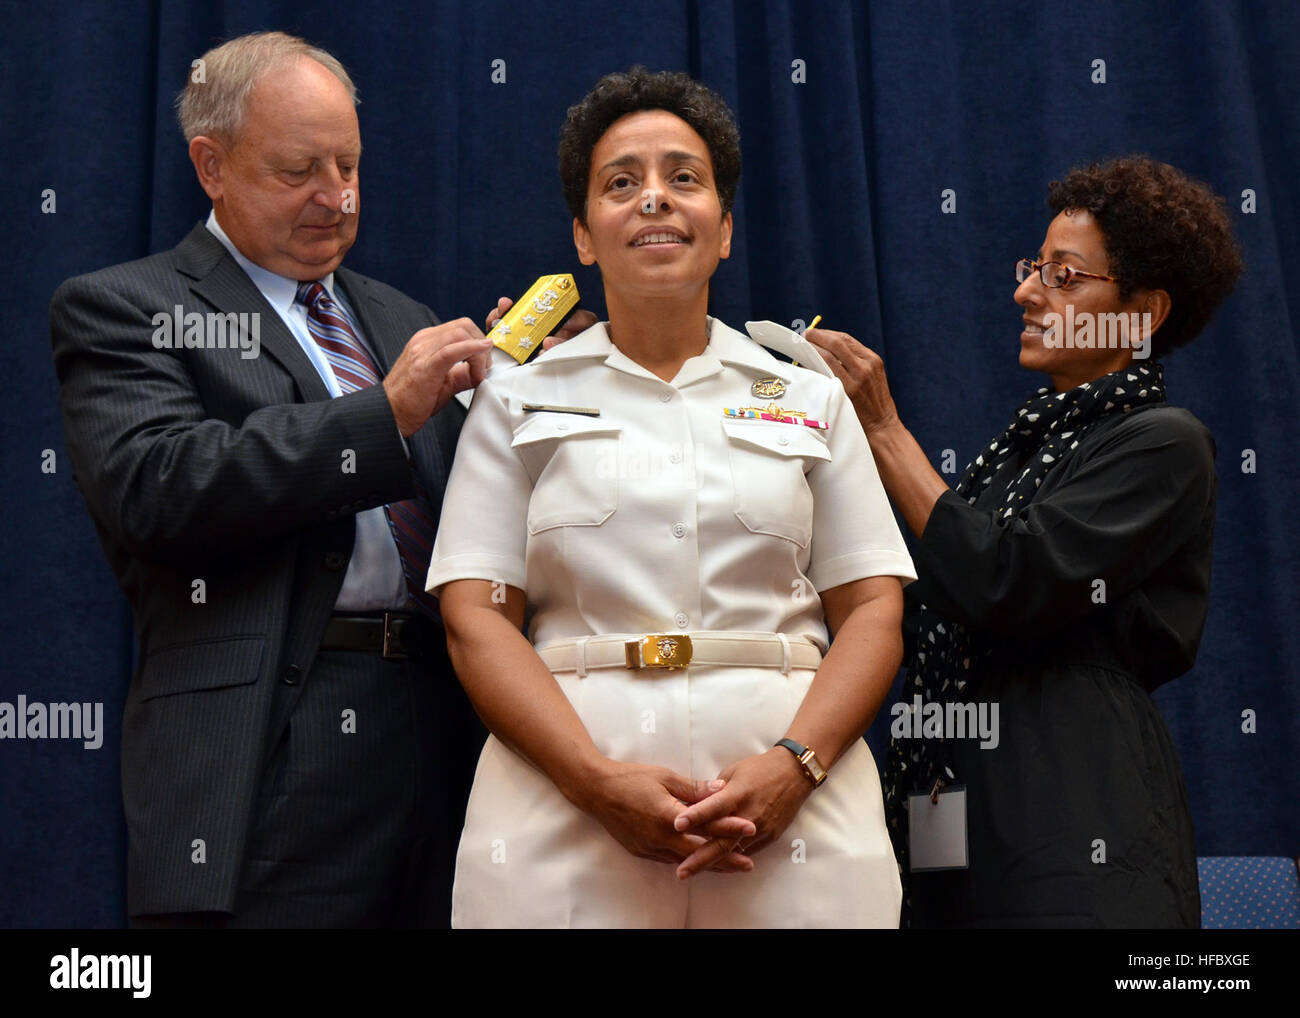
pixel 659 650
pixel 391 640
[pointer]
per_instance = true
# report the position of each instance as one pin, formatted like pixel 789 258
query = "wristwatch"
pixel 812 767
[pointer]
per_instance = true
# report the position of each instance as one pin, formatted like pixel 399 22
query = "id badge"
pixel 936 831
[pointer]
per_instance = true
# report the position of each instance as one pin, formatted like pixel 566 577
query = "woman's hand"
pixel 579 321
pixel 637 804
pixel 863 374
pixel 768 789
pixel 905 470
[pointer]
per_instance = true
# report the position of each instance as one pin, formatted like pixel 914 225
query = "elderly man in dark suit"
pixel 262 438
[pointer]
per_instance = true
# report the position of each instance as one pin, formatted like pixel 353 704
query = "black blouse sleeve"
pixel 1135 495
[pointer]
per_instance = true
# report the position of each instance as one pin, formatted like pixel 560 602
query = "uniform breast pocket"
pixel 575 460
pixel 768 464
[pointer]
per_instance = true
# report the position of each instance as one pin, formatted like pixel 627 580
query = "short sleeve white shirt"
pixel 662 513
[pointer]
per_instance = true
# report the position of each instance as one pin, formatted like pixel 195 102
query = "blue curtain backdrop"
pixel 839 214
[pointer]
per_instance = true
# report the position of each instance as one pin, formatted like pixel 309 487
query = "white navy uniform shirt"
pixel 374 579
pixel 662 514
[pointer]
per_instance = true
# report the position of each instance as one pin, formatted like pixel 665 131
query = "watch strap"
pixel 812 767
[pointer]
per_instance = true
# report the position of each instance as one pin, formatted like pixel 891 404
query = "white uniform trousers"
pixel 529 858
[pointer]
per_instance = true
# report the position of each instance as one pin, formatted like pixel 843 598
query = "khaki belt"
pixel 681 650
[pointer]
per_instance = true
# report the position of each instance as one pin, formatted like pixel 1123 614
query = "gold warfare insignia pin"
pixel 768 388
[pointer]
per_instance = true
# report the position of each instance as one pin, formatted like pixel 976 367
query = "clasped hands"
pixel 656 813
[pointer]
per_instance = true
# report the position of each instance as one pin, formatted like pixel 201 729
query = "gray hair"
pixel 213 101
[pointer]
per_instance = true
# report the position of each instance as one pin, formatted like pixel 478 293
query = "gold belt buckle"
pixel 659 650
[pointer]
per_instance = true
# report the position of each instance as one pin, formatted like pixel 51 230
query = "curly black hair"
pixel 1163 230
pixel 616 95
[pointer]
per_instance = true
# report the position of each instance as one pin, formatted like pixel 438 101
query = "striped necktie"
pixel 411 521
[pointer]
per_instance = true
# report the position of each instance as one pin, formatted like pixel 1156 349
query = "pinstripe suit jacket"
pixel 200 464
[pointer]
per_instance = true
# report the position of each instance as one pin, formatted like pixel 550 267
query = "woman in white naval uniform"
pixel 606 491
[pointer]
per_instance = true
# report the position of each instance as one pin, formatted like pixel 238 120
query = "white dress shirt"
pixel 661 514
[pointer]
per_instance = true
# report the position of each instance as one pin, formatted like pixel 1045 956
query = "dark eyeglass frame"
pixel 1027 265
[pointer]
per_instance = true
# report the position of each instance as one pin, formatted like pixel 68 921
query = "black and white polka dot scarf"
pixel 1048 427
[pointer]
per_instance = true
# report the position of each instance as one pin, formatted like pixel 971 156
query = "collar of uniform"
pixel 280 291
pixel 595 342
pixel 734 347
pixel 726 345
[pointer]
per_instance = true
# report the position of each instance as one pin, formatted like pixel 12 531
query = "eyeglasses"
pixel 1054 274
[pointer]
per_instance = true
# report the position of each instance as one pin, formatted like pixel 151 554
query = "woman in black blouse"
pixel 1068 575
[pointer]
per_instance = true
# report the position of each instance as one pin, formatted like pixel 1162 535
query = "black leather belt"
pixel 394 635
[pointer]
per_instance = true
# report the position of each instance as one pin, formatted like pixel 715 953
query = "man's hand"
pixel 768 789
pixel 579 321
pixel 863 374
pixel 437 363
pixel 637 804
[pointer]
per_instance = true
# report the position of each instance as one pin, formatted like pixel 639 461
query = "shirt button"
pixel 782 440
pixel 292 674
pixel 335 560
pixel 681 620
pixel 664 397
pixel 679 530
pixel 675 456
pixel 561 427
